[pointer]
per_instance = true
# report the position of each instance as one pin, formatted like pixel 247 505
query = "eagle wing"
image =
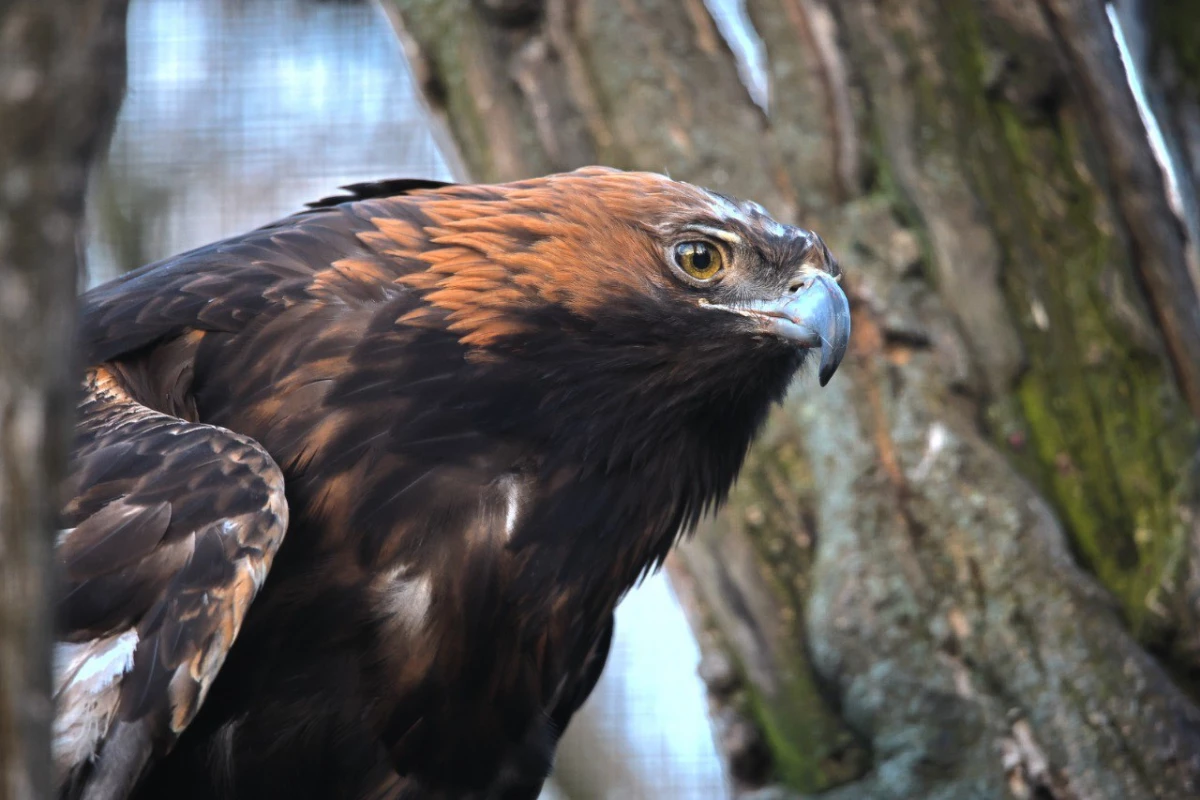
pixel 169 533
pixel 171 525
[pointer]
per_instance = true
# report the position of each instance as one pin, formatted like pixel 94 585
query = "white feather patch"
pixel 96 663
pixel 512 490
pixel 87 687
pixel 407 598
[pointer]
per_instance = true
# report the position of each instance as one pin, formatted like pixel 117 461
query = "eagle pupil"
pixel 700 260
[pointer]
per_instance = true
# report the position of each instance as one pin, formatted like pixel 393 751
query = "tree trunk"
pixel 62 67
pixel 970 567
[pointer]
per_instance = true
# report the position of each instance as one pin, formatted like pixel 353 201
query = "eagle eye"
pixel 700 260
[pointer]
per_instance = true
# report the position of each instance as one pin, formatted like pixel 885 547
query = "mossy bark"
pixel 62 68
pixel 970 567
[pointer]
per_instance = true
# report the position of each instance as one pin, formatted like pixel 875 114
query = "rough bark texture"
pixel 62 65
pixel 970 567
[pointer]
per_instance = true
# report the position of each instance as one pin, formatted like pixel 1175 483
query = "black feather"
pixel 372 190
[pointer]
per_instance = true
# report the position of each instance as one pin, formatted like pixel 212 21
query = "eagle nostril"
pixel 800 285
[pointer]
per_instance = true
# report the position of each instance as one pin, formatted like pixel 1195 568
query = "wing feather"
pixel 322 252
pixel 169 534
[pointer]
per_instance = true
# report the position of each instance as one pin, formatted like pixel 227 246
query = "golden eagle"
pixel 353 496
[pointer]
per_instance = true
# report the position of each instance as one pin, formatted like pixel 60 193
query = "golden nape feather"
pixel 479 414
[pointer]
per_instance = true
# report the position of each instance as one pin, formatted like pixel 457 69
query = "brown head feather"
pixel 580 241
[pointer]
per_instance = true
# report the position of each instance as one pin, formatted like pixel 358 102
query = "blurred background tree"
pixel 62 65
pixel 973 571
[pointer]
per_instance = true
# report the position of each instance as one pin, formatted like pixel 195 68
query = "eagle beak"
pixel 814 313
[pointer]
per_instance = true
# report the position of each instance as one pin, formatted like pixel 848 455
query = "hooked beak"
pixel 815 313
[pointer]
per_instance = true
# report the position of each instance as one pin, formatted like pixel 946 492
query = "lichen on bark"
pixel 1091 411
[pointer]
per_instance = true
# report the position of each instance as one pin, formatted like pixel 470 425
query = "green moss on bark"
pixel 1106 428
pixel 812 748
pixel 1175 25
pixel 811 745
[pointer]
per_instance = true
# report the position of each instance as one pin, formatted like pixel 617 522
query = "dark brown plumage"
pixel 480 413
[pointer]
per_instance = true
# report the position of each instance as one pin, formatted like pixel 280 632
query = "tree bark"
pixel 970 567
pixel 62 67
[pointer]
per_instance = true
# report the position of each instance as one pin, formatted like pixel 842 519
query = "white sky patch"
pixel 938 437
pixel 1153 132
pixel 1038 312
pixel 734 24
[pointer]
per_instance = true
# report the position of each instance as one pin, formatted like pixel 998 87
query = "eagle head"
pixel 632 273
pixel 623 321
